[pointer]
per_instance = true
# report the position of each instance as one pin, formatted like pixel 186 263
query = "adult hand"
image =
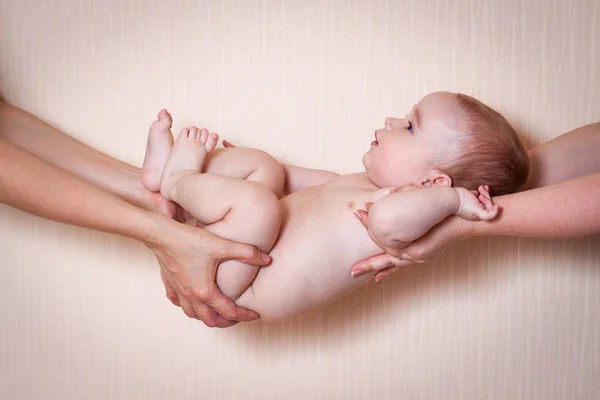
pixel 188 257
pixel 449 231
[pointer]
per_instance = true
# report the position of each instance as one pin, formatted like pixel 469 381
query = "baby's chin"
pixel 365 158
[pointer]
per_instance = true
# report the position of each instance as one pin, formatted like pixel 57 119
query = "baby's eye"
pixel 410 127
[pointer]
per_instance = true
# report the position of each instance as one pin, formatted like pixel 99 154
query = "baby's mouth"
pixel 375 142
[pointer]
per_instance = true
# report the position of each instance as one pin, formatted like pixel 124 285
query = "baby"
pixel 447 149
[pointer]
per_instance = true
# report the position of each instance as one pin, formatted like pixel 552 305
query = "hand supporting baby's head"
pixel 448 139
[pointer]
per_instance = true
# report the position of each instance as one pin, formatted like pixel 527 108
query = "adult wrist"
pixel 145 226
pixel 163 230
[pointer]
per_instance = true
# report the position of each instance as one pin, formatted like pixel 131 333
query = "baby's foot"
pixel 158 148
pixel 187 156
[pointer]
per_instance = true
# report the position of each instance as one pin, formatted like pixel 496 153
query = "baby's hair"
pixel 494 155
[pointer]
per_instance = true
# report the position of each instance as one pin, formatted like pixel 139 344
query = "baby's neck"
pixel 362 178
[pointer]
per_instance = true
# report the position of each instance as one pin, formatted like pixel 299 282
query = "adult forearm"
pixel 33 185
pixel 55 147
pixel 570 155
pixel 570 209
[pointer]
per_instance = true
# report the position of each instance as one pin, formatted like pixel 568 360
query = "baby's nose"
pixel 390 123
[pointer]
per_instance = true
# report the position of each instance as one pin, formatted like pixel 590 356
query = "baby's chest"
pixel 325 220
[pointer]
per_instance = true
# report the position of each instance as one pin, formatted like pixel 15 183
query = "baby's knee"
pixel 268 171
pixel 262 211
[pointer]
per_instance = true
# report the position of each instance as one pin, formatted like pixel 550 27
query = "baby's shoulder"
pixel 351 181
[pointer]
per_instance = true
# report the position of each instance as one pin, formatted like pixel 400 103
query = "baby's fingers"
pixel 486 203
pixel 484 191
pixel 490 214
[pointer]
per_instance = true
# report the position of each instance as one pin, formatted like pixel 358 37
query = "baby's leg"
pixel 249 164
pixel 235 209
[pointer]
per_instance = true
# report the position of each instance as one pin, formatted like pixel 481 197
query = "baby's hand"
pixel 476 204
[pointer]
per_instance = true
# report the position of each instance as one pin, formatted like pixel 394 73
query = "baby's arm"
pixel 399 218
pixel 297 178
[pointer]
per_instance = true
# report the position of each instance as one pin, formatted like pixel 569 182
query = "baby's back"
pixel 320 239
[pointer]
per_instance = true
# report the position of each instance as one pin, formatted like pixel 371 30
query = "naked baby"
pixel 445 151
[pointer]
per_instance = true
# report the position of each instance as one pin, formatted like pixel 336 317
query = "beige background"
pixel 83 314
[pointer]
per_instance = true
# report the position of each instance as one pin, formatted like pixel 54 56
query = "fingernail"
pixel 356 272
pixel 265 257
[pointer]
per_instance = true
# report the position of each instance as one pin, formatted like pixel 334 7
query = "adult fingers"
pixel 173 296
pixel 244 253
pixel 187 307
pixel 210 317
pixel 386 272
pixel 205 314
pixel 225 307
pixel 171 293
pixel 196 309
pixel 378 263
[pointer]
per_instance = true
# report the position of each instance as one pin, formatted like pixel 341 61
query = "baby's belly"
pixel 319 241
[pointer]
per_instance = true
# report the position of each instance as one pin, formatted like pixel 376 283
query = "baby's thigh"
pixel 249 164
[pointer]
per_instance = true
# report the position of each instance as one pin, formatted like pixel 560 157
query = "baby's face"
pixel 407 150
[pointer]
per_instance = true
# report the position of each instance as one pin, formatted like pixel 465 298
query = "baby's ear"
pixel 438 178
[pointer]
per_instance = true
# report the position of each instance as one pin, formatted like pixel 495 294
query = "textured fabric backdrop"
pixel 83 315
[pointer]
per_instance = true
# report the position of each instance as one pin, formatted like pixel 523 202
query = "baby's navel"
pixel 351 205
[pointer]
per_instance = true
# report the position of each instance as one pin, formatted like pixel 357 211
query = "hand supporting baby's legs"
pixel 234 209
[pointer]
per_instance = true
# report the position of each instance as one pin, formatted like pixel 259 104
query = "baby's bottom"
pixel 236 196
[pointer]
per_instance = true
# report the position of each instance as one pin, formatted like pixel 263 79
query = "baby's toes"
pixel 211 141
pixel 192 132
pixel 202 135
pixel 185 132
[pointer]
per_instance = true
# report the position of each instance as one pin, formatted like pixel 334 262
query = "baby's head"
pixel 448 139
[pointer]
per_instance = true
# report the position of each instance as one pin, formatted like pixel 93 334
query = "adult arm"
pixel 186 262
pixel 572 154
pixel 61 150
